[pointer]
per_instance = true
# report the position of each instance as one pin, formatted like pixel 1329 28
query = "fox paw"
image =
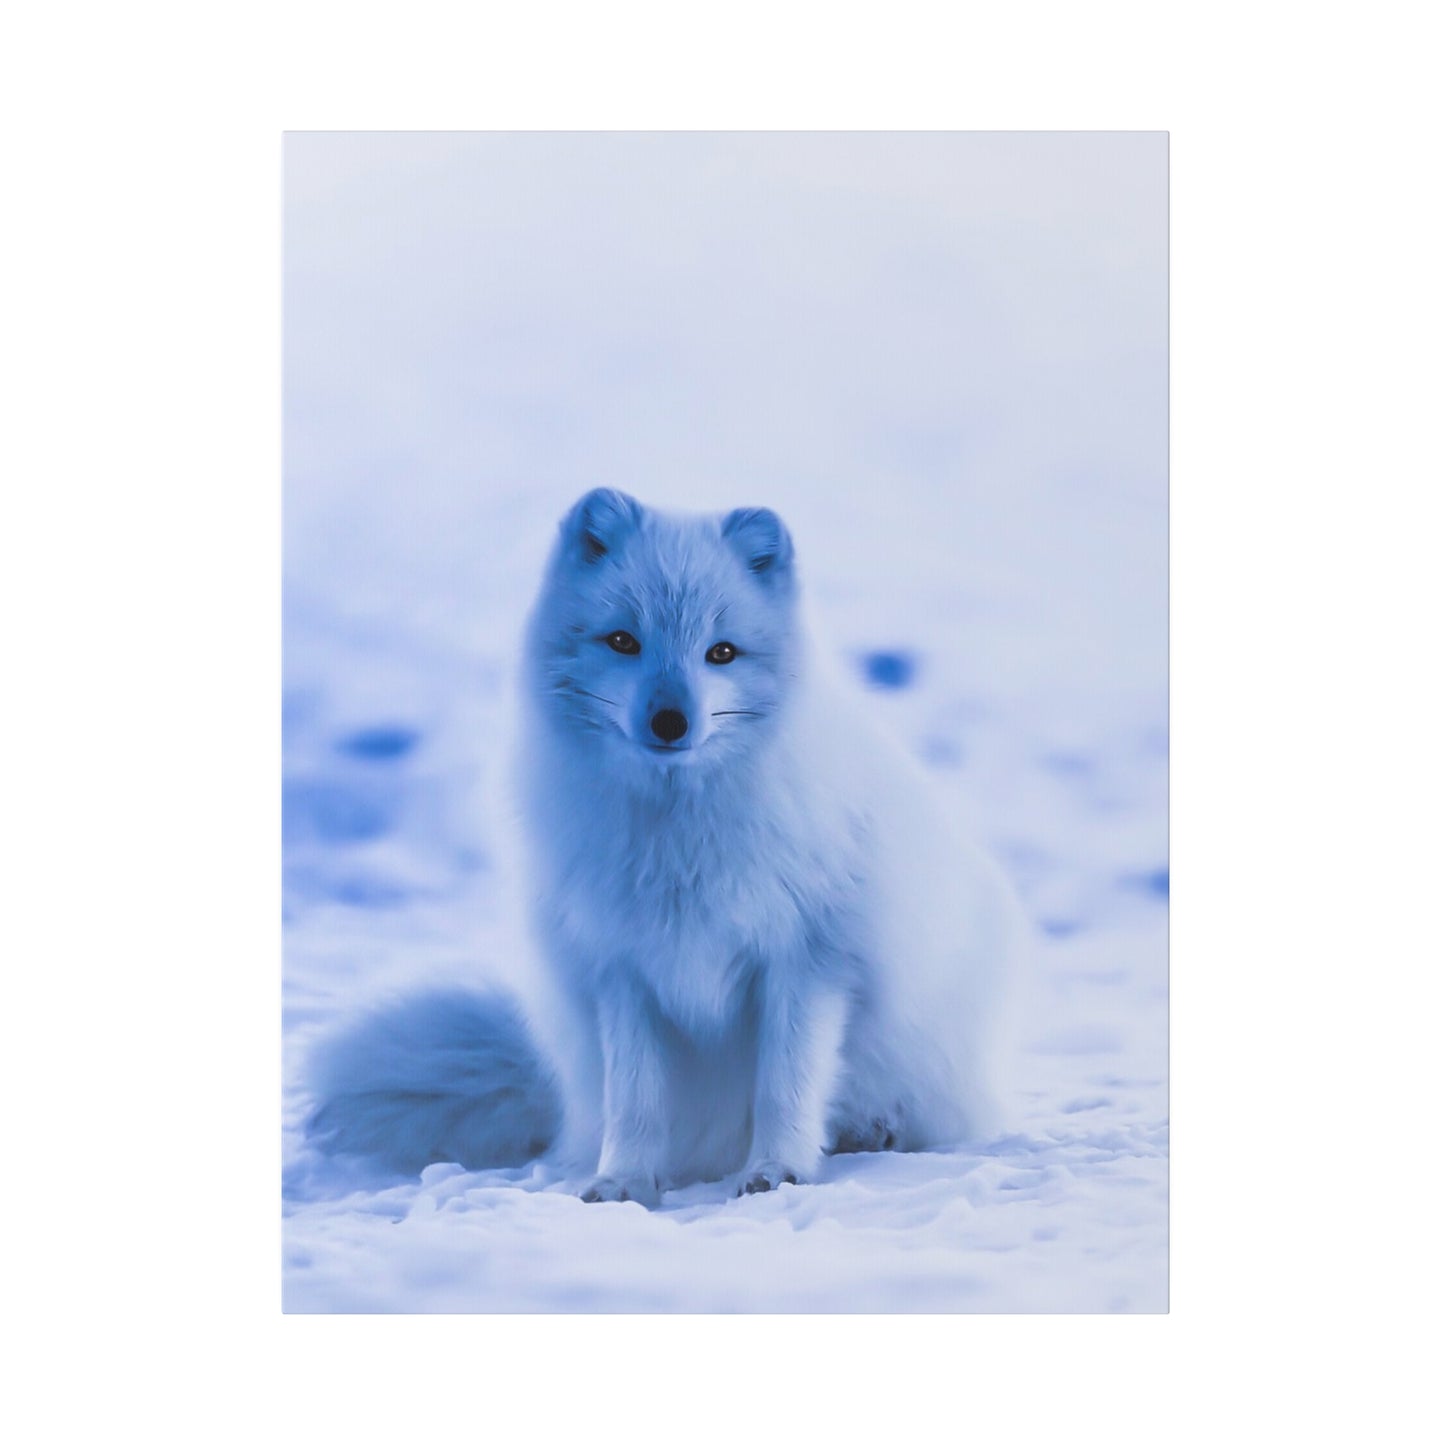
pixel 760 1178
pixel 604 1189
pixel 867 1138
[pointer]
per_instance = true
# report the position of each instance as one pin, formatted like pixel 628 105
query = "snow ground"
pixel 943 360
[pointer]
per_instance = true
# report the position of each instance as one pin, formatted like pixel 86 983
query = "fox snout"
pixel 666 719
pixel 669 724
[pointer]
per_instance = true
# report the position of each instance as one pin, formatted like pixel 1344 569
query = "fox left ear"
pixel 601 521
pixel 761 540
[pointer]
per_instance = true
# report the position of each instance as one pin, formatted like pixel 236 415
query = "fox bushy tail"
pixel 440 1077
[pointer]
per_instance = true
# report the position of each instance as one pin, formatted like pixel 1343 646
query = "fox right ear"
pixel 761 540
pixel 600 522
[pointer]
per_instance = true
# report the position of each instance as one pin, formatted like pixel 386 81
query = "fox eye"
pixel 721 652
pixel 623 642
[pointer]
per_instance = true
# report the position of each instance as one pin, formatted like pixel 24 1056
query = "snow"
pixel 942 359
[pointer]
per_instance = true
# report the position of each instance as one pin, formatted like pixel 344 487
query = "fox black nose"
pixel 669 724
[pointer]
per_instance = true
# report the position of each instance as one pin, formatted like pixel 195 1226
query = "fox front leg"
pixel 800 1042
pixel 634 1100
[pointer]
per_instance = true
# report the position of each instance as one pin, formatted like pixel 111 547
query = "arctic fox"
pixel 762 944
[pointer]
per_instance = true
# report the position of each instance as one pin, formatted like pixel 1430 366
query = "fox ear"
pixel 600 522
pixel 759 537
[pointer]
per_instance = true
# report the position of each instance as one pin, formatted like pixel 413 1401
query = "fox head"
pixel 666 641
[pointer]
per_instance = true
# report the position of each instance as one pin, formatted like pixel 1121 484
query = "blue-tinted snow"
pixel 889 669
pixel 380 743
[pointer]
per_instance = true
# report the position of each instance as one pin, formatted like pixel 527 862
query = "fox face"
pixel 668 641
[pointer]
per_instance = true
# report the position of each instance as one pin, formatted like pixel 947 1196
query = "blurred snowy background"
pixel 943 359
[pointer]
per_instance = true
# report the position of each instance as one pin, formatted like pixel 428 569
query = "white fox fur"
pixel 764 943
pixel 760 941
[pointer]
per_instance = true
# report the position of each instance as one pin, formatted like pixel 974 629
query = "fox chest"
pixel 694 925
